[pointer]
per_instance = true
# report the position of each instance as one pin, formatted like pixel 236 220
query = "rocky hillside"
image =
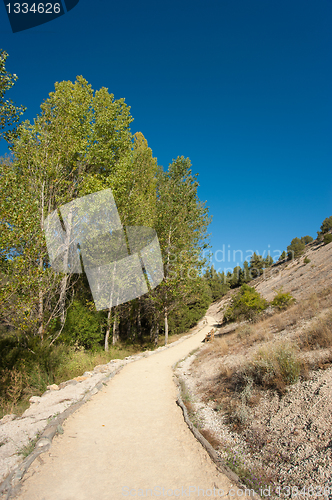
pixel 261 393
pixel 296 277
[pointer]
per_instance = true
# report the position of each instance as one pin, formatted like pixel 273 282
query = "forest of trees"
pixel 81 143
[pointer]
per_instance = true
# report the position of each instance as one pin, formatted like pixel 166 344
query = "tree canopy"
pixel 10 114
pixel 78 144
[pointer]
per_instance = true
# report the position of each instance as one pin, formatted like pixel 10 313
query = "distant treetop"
pixel 325 227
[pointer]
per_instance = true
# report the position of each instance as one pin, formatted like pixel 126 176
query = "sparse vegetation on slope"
pixel 246 378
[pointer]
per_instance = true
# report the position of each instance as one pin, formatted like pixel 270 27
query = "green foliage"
pixel 307 239
pixel 282 300
pixel 327 238
pixel 29 448
pixel 81 143
pixel 325 227
pixel 9 113
pixel 257 265
pixel 245 305
pixel 245 277
pixel 282 256
pixel 236 277
pixel 296 248
pixel 82 327
pixel 78 144
pixel 306 260
pixel 186 316
pixel 26 368
pixel 181 224
pixel 268 261
pixel 217 283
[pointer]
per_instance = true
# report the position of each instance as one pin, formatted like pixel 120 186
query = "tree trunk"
pixel 108 329
pixel 41 305
pixel 115 329
pixel 165 307
pixel 128 328
pixel 152 330
pixel 139 324
pixel 41 295
pixel 63 288
pixel 166 325
pixel 156 336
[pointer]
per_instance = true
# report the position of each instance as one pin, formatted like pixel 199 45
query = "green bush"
pixel 187 315
pixel 296 248
pixel 327 238
pixel 325 227
pixel 282 256
pixel 282 300
pixel 27 367
pixel 245 305
pixel 307 239
pixel 306 260
pixel 82 327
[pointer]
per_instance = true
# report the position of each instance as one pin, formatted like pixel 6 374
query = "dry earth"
pixel 129 439
pixel 278 439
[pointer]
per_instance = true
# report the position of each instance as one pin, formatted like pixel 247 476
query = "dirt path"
pixel 129 436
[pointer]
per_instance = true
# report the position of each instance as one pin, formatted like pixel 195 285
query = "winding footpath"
pixel 129 440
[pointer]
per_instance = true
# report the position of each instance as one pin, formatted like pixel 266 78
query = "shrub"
pixel 319 334
pixel 325 227
pixel 307 239
pixel 282 256
pixel 282 300
pixel 296 248
pixel 82 327
pixel 277 367
pixel 244 331
pixel 245 305
pixel 306 260
pixel 12 385
pixel 327 238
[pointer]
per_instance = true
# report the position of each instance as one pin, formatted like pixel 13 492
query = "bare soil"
pixel 130 439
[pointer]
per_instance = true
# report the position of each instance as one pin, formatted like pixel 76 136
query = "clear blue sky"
pixel 242 88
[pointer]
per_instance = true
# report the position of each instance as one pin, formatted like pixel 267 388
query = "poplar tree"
pixel 78 136
pixel 10 114
pixel 181 224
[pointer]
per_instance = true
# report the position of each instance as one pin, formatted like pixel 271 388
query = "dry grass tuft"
pixel 318 334
pixel 276 367
pixel 13 384
pixel 244 331
pixel 218 348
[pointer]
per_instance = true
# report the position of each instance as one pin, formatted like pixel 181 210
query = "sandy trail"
pixel 129 436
